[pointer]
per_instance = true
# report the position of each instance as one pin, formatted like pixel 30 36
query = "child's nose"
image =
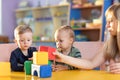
pixel 25 42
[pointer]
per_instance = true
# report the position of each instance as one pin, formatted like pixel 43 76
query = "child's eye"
pixel 28 40
pixel 111 20
pixel 61 40
pixel 21 40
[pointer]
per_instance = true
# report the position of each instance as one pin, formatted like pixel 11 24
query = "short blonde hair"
pixel 68 30
pixel 21 29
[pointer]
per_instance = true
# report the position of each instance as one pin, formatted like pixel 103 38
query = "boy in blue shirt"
pixel 23 38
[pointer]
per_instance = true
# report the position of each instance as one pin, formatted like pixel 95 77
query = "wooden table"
pixel 67 75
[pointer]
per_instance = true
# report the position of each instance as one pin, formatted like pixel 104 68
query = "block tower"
pixel 41 66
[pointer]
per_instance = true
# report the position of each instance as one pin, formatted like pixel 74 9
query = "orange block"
pixel 5 69
pixel 40 58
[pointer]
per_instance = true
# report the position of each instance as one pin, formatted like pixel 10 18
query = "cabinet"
pixel 89 22
pixel 44 20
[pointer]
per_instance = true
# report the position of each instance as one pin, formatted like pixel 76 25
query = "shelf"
pixel 89 13
pixel 43 20
pixel 93 34
pixel 37 8
pixel 47 7
pixel 86 29
pixel 23 9
pixel 87 7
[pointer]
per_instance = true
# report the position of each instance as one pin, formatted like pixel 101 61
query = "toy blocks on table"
pixel 40 58
pixel 42 71
pixel 27 67
pixel 5 69
pixel 50 51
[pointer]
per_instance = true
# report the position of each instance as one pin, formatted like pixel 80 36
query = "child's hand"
pixel 59 67
pixel 30 58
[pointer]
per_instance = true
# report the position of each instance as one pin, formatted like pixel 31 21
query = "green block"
pixel 27 67
pixel 49 62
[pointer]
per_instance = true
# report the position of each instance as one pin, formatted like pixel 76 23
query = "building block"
pixel 49 62
pixel 5 69
pixel 40 58
pixel 43 48
pixel 35 70
pixel 48 49
pixel 27 67
pixel 45 71
pixel 42 71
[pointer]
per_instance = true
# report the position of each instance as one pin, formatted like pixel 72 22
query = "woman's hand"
pixel 114 67
pixel 59 67
pixel 58 56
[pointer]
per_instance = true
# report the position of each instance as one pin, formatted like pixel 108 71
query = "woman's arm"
pixel 81 63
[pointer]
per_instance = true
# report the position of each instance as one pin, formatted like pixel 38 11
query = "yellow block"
pixel 40 58
pixel 5 69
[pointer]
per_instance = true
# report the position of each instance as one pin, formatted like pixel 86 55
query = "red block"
pixel 43 48
pixel 50 51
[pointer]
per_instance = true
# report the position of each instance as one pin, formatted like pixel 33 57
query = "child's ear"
pixel 15 41
pixel 72 40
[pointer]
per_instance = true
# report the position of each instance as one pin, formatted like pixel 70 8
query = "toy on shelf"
pixel 41 66
pixel 64 2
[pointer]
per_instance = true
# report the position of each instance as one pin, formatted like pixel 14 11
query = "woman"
pixel 111 49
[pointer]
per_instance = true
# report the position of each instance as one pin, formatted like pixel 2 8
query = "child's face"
pixel 63 40
pixel 24 40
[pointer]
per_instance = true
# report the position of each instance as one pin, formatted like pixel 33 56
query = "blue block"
pixel 45 71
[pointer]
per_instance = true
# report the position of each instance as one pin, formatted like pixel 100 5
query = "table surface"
pixel 66 75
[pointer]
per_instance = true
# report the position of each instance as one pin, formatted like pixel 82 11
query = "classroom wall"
pixel 8 14
pixel 8 17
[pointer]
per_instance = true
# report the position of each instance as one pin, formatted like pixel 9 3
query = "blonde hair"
pixel 112 46
pixel 68 30
pixel 21 29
